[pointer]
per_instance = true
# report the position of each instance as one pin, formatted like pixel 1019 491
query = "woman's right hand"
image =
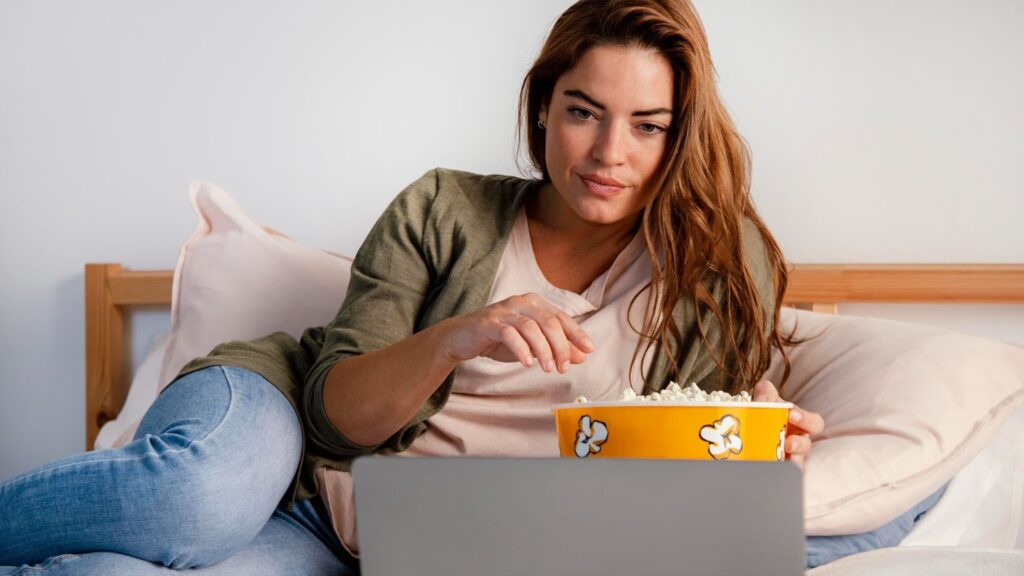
pixel 519 329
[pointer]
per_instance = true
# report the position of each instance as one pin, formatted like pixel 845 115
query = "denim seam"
pixel 231 406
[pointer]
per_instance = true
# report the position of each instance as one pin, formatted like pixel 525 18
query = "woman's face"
pixel 606 131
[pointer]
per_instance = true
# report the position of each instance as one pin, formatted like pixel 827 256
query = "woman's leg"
pixel 289 544
pixel 208 466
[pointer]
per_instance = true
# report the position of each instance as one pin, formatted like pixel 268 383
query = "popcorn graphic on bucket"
pixel 723 437
pixel 590 437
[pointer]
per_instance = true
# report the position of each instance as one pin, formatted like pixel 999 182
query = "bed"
pixel 112 291
pixel 972 453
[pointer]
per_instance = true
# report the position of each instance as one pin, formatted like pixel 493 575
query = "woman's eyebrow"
pixel 586 98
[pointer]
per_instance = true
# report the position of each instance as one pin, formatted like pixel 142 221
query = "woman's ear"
pixel 542 116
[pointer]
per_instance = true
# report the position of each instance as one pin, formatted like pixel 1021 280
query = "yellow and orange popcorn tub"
pixel 681 430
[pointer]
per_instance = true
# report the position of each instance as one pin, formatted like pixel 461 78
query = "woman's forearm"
pixel 370 397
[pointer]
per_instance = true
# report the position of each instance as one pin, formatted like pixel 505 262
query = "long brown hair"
pixel 693 221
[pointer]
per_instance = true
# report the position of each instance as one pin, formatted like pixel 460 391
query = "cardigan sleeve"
pixel 392 277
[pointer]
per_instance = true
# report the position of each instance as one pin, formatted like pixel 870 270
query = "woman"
pixel 475 303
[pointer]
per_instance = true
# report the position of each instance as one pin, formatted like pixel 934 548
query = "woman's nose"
pixel 610 146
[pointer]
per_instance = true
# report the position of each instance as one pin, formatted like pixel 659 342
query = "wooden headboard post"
pixel 108 291
pixel 104 350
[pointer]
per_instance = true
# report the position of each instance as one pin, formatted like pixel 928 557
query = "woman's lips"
pixel 599 186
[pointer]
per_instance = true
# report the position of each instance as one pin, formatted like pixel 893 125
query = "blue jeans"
pixel 200 486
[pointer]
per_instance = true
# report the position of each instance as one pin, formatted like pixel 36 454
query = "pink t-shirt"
pixel 503 409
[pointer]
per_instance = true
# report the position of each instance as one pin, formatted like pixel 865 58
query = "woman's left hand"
pixel 802 423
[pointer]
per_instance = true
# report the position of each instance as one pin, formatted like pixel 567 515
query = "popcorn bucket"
pixel 682 430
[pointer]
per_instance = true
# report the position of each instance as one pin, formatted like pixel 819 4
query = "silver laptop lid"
pixel 548 516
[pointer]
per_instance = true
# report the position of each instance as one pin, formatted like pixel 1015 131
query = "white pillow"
pixel 906 406
pixel 236 280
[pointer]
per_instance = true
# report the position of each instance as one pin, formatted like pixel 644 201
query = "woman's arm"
pixel 371 396
pixel 379 374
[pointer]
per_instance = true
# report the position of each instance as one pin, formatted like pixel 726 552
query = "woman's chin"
pixel 601 212
pixel 601 218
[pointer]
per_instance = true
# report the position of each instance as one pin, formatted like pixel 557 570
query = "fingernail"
pixel 565 367
pixel 549 366
pixel 795 416
pixel 588 343
pixel 529 362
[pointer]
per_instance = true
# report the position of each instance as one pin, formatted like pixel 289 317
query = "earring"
pixel 540 124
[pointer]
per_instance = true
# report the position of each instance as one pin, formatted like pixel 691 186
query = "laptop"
pixel 557 516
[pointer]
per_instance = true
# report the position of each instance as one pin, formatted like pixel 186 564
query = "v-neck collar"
pixel 593 297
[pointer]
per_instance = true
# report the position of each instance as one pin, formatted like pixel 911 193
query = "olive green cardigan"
pixel 432 255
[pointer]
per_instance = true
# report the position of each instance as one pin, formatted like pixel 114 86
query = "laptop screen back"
pixel 546 516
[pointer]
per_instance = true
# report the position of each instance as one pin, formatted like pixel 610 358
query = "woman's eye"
pixel 580 113
pixel 651 128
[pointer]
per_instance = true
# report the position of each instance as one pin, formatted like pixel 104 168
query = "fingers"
pixel 577 356
pixel 800 420
pixel 802 423
pixel 764 391
pixel 577 337
pixel 555 339
pixel 525 329
pixel 805 421
pixel 522 329
pixel 798 446
pixel 514 341
pixel 540 343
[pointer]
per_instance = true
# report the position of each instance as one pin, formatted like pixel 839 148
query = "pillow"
pixel 824 549
pixel 906 406
pixel 236 280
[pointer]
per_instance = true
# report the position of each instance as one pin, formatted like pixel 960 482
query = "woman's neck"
pixel 554 221
pixel 570 251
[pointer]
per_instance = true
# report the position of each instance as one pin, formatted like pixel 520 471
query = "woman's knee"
pixel 209 517
pixel 219 488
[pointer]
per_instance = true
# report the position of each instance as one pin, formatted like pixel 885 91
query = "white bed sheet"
pixel 983 506
pixel 927 561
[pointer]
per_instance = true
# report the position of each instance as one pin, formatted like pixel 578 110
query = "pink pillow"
pixel 236 280
pixel 906 406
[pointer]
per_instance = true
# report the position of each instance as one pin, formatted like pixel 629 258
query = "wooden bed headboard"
pixel 110 291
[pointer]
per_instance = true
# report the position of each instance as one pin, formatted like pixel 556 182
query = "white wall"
pixel 881 131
